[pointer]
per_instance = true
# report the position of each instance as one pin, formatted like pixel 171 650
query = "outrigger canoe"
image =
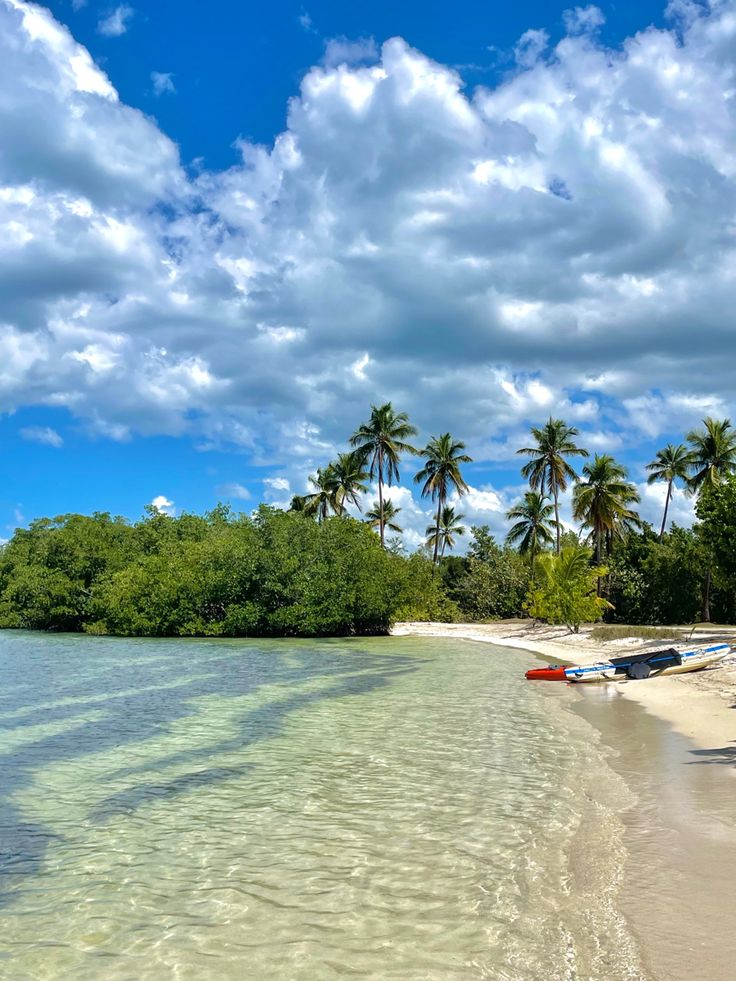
pixel 634 666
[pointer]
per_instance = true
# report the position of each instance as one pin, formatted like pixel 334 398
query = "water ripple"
pixel 383 809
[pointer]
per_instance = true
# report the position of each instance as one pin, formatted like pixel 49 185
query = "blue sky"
pixel 230 231
pixel 236 66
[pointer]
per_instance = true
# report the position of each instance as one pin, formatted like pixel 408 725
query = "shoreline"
pixel 699 705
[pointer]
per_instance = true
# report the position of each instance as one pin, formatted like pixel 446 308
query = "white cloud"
pixel 341 50
pixel 359 365
pixel 686 12
pixel 162 83
pixel 559 244
pixel 42 434
pixel 580 20
pixel 681 510
pixel 277 484
pixel 163 505
pixel 115 23
pixel 529 47
pixel 233 492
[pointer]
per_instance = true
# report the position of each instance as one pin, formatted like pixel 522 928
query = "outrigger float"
pixel 634 666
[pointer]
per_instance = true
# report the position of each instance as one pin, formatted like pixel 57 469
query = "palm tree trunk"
pixel 380 493
pixel 598 555
pixel 437 536
pixel 705 615
pixel 666 506
pixel 557 515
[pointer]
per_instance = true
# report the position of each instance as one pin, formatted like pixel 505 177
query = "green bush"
pixel 566 589
pixel 218 575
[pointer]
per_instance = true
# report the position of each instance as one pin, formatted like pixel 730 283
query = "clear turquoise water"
pixel 393 808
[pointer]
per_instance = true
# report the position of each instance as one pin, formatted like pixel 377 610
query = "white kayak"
pixel 694 660
pixel 590 672
pixel 701 657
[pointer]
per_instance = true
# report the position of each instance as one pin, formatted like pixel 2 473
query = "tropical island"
pixel 332 565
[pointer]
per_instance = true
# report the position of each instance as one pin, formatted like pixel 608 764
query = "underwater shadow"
pixel 128 801
pixel 135 717
pixel 255 726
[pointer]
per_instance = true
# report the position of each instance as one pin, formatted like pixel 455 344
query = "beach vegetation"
pixel 385 514
pixel 602 502
pixel 381 441
pixel 548 470
pixel 672 465
pixel 221 574
pixel 439 476
pixel 491 582
pixel 712 453
pixel 326 566
pixel 534 525
pixel 441 536
pixel 565 591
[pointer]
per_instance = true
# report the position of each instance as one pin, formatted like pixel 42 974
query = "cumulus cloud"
pixel 529 47
pixel 562 243
pixel 651 507
pixel 277 484
pixel 115 23
pixel 580 20
pixel 42 434
pixel 163 505
pixel 162 83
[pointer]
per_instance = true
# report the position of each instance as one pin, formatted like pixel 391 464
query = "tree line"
pixel 604 499
pixel 316 570
pixel 269 573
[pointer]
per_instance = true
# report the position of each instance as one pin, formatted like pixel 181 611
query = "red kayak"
pixel 555 672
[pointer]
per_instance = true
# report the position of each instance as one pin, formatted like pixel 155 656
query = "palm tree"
pixel 602 501
pixel 323 499
pixel 348 477
pixel 385 516
pixel 442 535
pixel 382 440
pixel 548 471
pixel 299 504
pixel 533 531
pixel 713 457
pixel 441 473
pixel 671 464
pixel 713 453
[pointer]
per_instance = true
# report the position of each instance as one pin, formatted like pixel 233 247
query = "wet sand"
pixel 679 888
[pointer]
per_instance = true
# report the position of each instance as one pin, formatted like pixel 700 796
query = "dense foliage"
pixel 218 575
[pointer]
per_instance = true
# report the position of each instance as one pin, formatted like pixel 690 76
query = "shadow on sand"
pixel 724 755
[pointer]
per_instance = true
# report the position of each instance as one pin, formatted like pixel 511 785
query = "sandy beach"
pixel 699 705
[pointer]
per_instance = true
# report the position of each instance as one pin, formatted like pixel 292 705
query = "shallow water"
pixel 392 808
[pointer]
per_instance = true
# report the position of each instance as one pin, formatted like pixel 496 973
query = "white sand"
pixel 701 705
